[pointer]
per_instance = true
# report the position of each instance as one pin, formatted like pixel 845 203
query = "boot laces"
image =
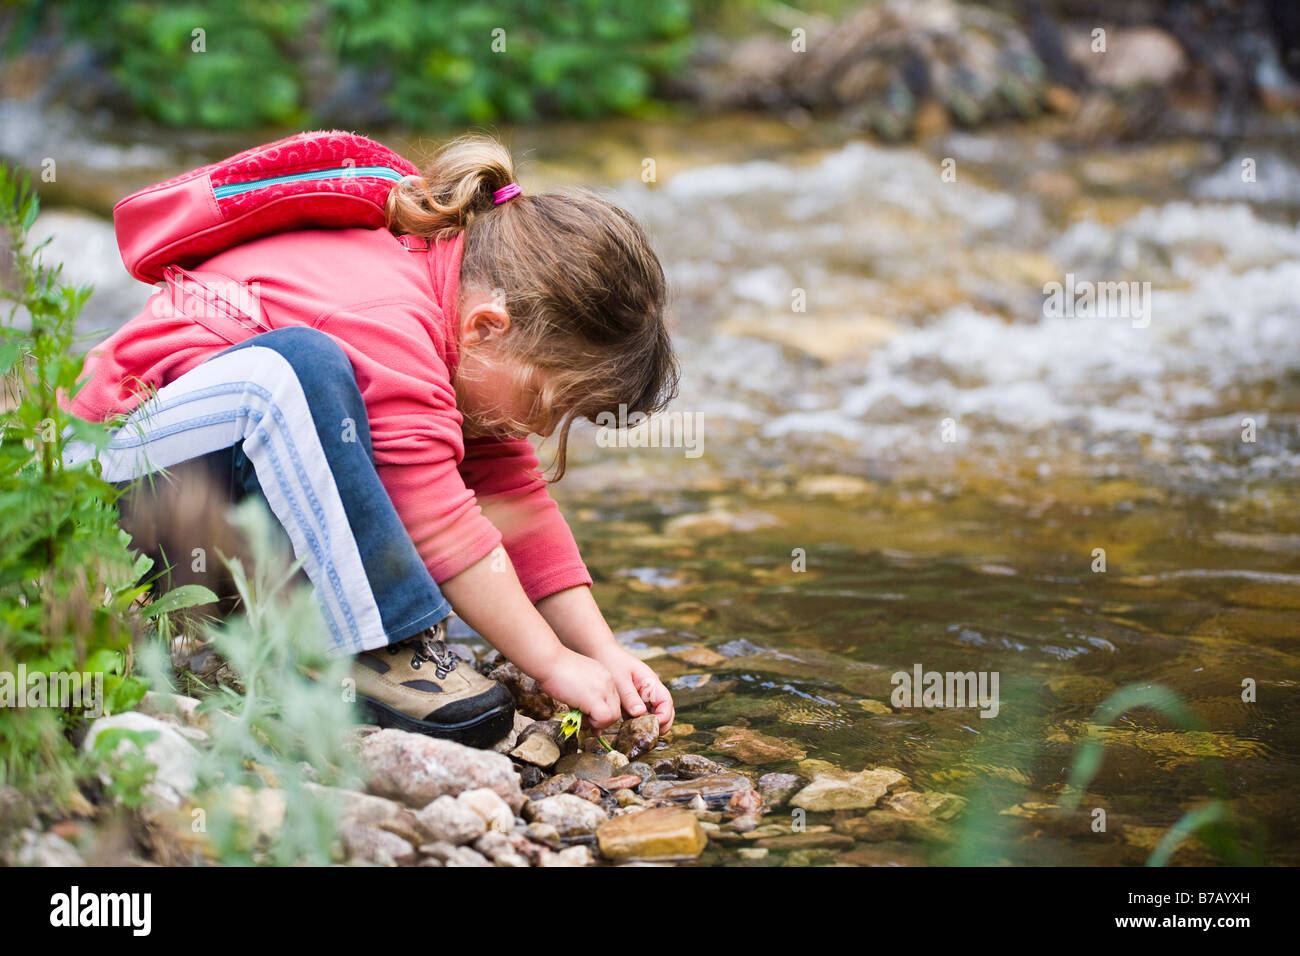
pixel 428 647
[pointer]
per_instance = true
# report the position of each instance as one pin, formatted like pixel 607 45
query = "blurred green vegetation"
pixel 418 63
pixel 424 62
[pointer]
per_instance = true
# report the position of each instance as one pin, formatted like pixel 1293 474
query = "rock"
pixel 175 759
pixel 698 656
pixel 544 833
pixel 743 803
pixel 917 806
pixel 745 822
pixel 531 850
pixel 680 728
pixel 374 811
pixel 530 776
pixel 587 791
pixel 832 486
pixel 530 699
pixel 752 852
pixel 570 815
pixel 585 766
pixel 877 826
pixel 186 709
pixel 839 790
pixel 416 769
pixel 549 787
pixel 551 729
pixel 617 760
pixel 260 811
pixel 466 856
pixel 1135 56
pixel 628 781
pixel 538 750
pixel 637 736
pixel 874 706
pixel 807 840
pixel 46 849
pixel 571 856
pixel 628 798
pixel 697 805
pixel 494 811
pixel 752 747
pixel 369 844
pixel 463 651
pixel 448 820
pixel 498 848
pixel 686 766
pixel 642 770
pixel 656 834
pixel 714 789
pixel 777 788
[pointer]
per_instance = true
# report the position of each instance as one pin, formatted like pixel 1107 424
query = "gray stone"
pixel 416 769
pixel 175 759
pixel 448 820
pixel 570 815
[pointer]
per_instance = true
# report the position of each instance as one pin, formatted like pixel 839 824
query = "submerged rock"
pixel 656 834
pixel 840 790
pixel 714 789
pixel 918 806
pixel 685 766
pixel 752 747
pixel 777 788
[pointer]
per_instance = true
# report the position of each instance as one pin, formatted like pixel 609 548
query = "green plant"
pixel 571 723
pixel 68 578
pixel 429 61
pixel 290 727
pixel 1214 821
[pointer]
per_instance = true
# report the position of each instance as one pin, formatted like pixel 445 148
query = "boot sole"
pixel 481 731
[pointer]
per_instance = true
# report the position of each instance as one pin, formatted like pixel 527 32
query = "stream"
pixel 925 467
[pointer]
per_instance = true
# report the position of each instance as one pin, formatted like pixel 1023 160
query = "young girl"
pixel 378 393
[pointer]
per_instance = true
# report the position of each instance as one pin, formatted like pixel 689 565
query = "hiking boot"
pixel 418 685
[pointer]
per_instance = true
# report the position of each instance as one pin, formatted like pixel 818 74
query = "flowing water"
pixel 905 460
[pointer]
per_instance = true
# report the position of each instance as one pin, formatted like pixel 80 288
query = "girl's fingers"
pixel 631 699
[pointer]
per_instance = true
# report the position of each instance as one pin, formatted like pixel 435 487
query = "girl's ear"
pixel 484 321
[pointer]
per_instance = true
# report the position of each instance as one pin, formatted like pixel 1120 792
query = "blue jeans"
pixel 280 416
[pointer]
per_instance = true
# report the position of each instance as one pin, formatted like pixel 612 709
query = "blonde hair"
pixel 585 292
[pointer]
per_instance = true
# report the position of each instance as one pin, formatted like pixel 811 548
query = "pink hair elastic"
pixel 505 194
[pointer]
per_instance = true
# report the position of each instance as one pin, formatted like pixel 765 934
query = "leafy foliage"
pixel 68 577
pixel 290 727
pixel 429 61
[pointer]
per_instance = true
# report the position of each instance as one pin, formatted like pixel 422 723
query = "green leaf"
pixel 187 595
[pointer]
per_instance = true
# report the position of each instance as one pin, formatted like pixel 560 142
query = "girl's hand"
pixel 639 687
pixel 584 684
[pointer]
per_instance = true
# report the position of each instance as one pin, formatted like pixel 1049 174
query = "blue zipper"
pixel 348 172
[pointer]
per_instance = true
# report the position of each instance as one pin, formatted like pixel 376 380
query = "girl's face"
pixel 495 388
pixel 495 392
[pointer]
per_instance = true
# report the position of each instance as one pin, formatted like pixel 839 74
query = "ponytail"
pixel 458 184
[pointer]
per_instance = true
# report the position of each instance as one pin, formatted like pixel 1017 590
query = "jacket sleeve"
pixel 415 433
pixel 506 477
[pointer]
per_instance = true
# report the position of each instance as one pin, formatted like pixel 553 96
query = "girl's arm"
pixel 577 621
pixel 488 596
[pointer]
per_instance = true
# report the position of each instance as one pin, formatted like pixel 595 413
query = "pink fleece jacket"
pixel 393 309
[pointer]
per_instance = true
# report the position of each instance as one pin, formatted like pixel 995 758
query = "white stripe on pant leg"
pixel 254 395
